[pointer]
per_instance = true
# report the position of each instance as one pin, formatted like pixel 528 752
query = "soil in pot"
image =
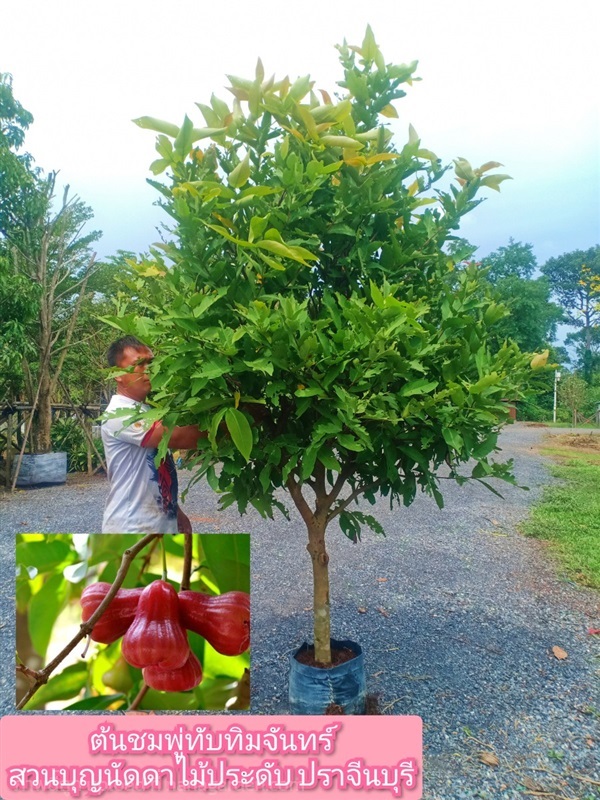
pixel 338 656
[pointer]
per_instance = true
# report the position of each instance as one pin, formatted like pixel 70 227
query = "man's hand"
pixel 183 522
pixel 182 437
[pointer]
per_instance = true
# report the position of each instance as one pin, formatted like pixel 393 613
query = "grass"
pixel 568 516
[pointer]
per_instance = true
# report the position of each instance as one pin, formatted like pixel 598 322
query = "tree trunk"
pixel 43 417
pixel 321 608
pixel 316 523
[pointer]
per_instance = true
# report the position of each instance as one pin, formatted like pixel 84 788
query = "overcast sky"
pixel 511 81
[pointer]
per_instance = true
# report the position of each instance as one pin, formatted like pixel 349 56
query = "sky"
pixel 513 81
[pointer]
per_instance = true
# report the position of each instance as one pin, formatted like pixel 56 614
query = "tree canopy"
pixel 309 275
pixel 575 281
pixel 532 318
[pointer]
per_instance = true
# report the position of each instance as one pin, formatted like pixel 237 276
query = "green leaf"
pixel 437 496
pixel 215 692
pixel 299 254
pixel 44 556
pixel 350 443
pixel 481 470
pixel 257 227
pixel 420 386
pixel 45 607
pixel 484 383
pixel 494 181
pixel 332 140
pixel 343 230
pixel 169 701
pixel 110 548
pixel 185 138
pixel 214 426
pixel 63 686
pixel 327 458
pixel 206 133
pixel 300 88
pixel 158 166
pixel 240 431
pixel 453 438
pixel 228 556
pixel 376 295
pixel 96 703
pixel 239 175
pixel 75 573
pixel 491 488
pixel 485 447
pixel 158 125
pixel 369 47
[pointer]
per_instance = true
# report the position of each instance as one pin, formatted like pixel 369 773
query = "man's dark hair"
pixel 115 351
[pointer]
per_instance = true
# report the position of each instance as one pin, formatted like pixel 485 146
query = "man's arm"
pixel 183 437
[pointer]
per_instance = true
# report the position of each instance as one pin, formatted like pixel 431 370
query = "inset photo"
pixel 133 622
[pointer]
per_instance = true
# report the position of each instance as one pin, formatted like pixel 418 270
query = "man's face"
pixel 135 383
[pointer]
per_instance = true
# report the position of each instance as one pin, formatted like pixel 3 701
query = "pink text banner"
pixel 138 756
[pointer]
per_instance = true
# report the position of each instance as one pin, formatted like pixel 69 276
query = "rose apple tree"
pixel 306 309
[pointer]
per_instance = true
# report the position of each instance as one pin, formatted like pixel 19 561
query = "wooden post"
pixel 88 439
pixel 81 418
pixel 9 430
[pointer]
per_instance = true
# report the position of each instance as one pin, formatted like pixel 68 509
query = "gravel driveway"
pixel 457 614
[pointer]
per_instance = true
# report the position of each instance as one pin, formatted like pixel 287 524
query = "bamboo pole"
pixel 9 449
pixel 87 433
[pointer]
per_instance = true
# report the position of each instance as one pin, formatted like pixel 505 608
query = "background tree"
pixel 532 318
pixel 572 393
pixel 55 256
pixel 46 261
pixel 19 298
pixel 586 344
pixel 308 273
pixel 575 281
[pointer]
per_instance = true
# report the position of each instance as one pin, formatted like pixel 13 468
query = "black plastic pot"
pixel 313 689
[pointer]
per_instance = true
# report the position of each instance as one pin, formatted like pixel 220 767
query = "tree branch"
pixel 356 493
pixel 139 697
pixel 343 476
pixel 295 491
pixel 43 675
pixel 187 562
pixel 70 330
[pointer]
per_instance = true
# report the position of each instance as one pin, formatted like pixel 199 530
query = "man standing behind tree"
pixel 142 497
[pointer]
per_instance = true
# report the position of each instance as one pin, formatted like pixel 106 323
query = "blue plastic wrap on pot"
pixel 38 469
pixel 312 689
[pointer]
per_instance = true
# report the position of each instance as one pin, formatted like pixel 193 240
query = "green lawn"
pixel 568 515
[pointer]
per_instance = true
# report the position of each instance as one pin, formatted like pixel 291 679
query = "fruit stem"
pixel 164 558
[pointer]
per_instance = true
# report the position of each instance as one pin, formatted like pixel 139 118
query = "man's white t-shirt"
pixel 142 497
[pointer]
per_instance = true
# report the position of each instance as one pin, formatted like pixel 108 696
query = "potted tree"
pixel 49 249
pixel 309 276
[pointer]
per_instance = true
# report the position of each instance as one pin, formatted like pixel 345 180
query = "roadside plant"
pixel 312 310
pixel 573 394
